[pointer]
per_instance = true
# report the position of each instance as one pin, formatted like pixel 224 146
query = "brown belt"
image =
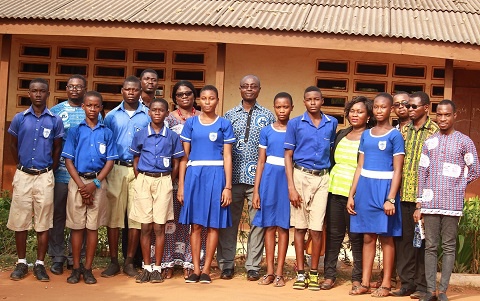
pixel 315 172
pixel 155 174
pixel 33 171
pixel 124 163
pixel 88 175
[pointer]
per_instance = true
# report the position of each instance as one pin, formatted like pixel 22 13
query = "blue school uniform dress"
pixel 205 176
pixel 374 185
pixel 273 190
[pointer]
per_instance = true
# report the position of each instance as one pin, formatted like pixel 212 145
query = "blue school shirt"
pixel 124 127
pixel 156 150
pixel 88 148
pixel 71 117
pixel 245 155
pixel 35 137
pixel 311 145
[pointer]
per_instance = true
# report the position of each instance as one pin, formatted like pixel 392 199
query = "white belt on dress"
pixel 205 163
pixel 384 175
pixel 274 160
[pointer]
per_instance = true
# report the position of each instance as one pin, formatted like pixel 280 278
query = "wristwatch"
pixel 390 200
pixel 97 183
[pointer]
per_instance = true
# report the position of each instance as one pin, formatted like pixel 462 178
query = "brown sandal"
pixel 359 290
pixel 279 281
pixel 381 292
pixel 266 279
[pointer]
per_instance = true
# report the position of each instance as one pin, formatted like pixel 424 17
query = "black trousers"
pixel 338 223
pixel 410 260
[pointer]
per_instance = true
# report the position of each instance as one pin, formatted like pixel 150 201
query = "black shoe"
pixel 74 276
pixel 429 297
pixel 57 268
pixel 69 266
pixel 112 270
pixel 402 292
pixel 143 277
pixel 21 270
pixel 88 277
pixel 205 278
pixel 442 297
pixel 253 275
pixel 40 273
pixel 130 270
pixel 418 295
pixel 227 274
pixel 156 277
pixel 192 278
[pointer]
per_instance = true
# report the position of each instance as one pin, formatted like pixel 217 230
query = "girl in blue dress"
pixel 373 200
pixel 270 192
pixel 205 179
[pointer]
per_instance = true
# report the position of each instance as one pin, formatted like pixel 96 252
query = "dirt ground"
pixel 123 288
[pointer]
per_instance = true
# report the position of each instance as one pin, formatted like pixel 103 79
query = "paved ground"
pixel 124 288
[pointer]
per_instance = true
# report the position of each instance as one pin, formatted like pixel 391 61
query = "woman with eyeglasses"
pixel 177 236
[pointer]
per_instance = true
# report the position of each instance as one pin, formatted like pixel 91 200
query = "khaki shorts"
pixel 153 201
pixel 120 190
pixel 81 216
pixel 32 197
pixel 314 192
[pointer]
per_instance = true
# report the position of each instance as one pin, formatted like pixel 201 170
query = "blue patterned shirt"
pixel 245 154
pixel 71 117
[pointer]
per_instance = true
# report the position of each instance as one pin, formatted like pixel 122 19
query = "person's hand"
pixel 351 206
pixel 389 208
pixel 256 201
pixel 417 215
pixel 226 197
pixel 295 198
pixel 180 196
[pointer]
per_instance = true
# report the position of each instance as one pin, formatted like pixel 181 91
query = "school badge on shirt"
pixel 212 136
pixel 102 148
pixel 46 132
pixel 382 145
pixel 166 162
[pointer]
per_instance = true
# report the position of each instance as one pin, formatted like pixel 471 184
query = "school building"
pixel 347 48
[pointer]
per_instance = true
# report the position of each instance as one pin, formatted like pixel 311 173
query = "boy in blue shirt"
pixel 124 120
pixel 37 141
pixel 89 153
pixel 153 149
pixel 307 160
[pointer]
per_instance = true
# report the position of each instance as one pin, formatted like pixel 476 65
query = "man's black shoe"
pixel 429 297
pixel 74 276
pixel 88 277
pixel 253 275
pixel 40 273
pixel 21 270
pixel 227 274
pixel 57 268
pixel 402 292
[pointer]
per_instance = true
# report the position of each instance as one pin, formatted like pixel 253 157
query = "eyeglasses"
pixel 77 87
pixel 413 106
pixel 398 104
pixel 247 86
pixel 182 94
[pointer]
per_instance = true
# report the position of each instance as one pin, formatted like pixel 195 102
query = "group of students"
pixel 145 167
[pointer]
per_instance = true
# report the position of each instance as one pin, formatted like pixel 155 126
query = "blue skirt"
pixel 274 201
pixel 369 200
pixel 202 198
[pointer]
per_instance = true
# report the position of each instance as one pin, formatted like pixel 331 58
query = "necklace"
pixel 185 118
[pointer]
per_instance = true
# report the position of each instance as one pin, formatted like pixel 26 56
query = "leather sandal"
pixel 327 284
pixel 381 292
pixel 360 290
pixel 267 279
pixel 279 281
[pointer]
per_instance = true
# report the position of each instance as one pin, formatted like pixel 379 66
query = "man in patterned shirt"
pixel 248 118
pixel 448 163
pixel 410 260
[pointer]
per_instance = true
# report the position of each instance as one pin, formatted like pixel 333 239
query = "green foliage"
pixel 468 248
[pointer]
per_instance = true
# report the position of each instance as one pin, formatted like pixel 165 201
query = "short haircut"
pixel 447 102
pixel 80 77
pixel 94 94
pixel 250 76
pixel 283 95
pixel 401 93
pixel 312 89
pixel 210 88
pixel 183 83
pixel 159 100
pixel 148 71
pixel 368 104
pixel 424 98
pixel 386 95
pixel 133 79
pixel 39 80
